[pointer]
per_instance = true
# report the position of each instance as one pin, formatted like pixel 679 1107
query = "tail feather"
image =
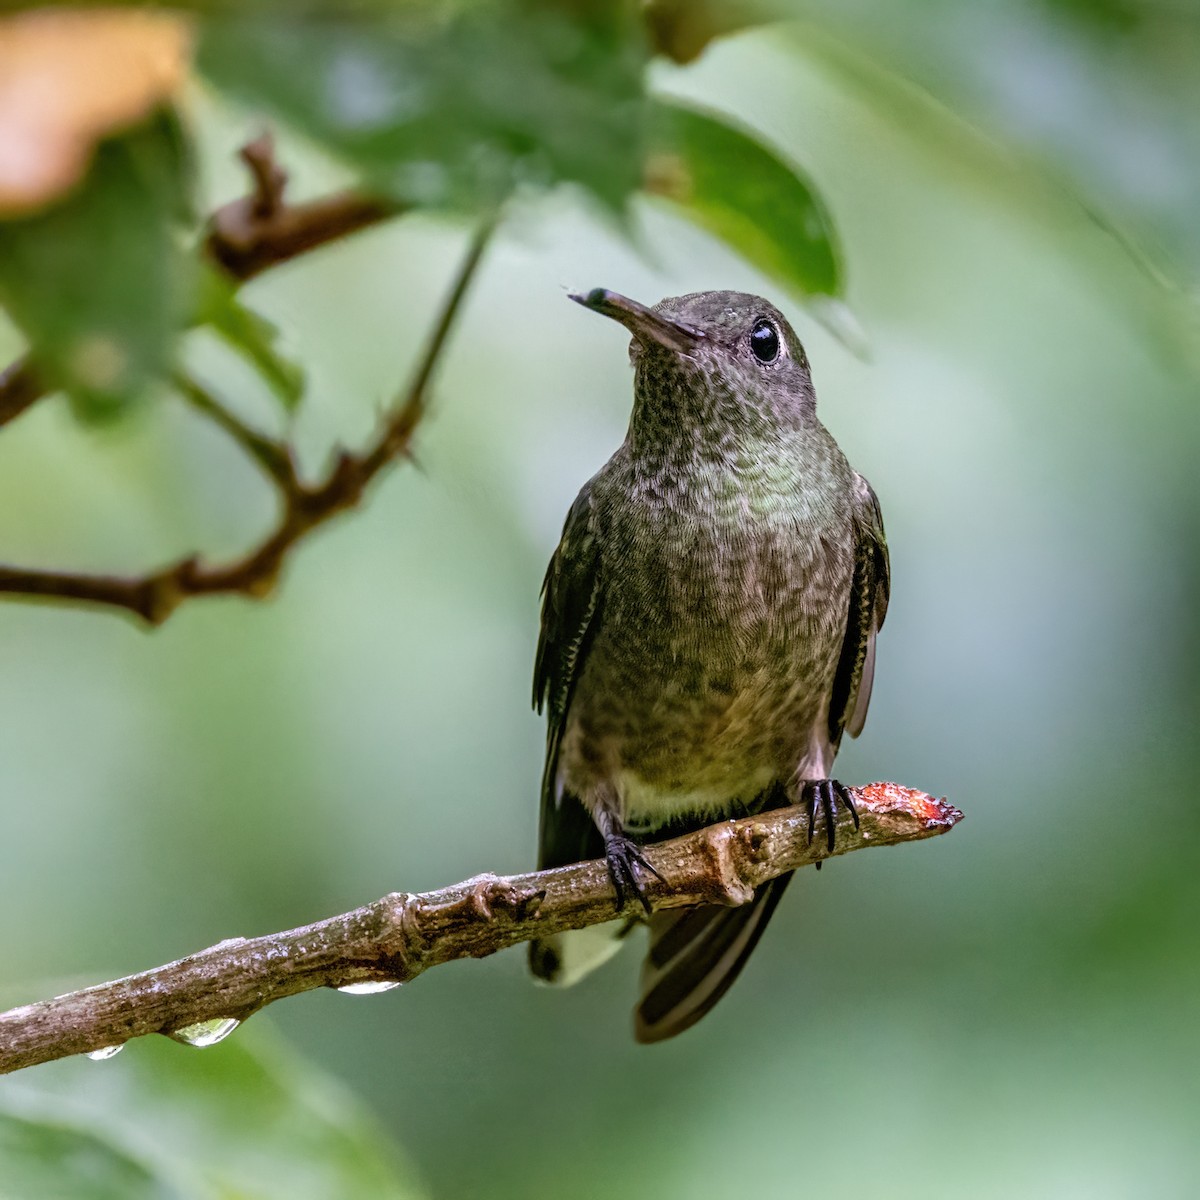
pixel 695 955
pixel 565 958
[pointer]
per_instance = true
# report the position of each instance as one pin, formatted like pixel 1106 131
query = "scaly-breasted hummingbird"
pixel 708 630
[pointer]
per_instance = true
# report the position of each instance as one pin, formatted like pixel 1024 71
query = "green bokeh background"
pixel 1007 1011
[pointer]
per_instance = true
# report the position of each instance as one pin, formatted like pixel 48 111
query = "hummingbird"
pixel 708 631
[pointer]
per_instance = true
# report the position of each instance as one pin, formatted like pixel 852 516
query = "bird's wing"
pixel 571 596
pixel 869 594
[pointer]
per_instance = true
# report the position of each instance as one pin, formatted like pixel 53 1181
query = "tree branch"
pixel 260 230
pixel 245 237
pixel 401 935
pixel 275 458
pixel 155 596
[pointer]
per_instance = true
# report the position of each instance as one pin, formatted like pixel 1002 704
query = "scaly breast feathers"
pixel 710 674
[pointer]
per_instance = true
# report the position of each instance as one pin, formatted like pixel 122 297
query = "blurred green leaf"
pixel 97 281
pixel 728 182
pixel 242 1119
pixel 250 333
pixel 453 111
pixel 46 1161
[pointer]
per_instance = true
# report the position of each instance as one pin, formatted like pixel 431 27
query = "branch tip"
pixel 268 177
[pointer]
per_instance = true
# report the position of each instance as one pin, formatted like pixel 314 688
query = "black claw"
pixel 624 857
pixel 825 794
pixel 831 814
pixel 847 798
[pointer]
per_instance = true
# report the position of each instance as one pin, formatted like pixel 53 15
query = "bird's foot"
pixel 825 794
pixel 625 859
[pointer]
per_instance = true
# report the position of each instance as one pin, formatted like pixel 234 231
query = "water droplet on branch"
pixel 370 988
pixel 205 1033
pixel 105 1052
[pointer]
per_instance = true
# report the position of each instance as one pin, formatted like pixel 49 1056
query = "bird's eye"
pixel 764 341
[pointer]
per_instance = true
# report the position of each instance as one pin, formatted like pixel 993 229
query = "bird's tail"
pixel 565 958
pixel 695 955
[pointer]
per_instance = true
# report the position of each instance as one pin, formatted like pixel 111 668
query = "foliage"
pixel 433 109
pixel 97 280
pixel 734 186
pixel 245 1118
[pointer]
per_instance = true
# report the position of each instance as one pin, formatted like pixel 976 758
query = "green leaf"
pixel 43 1159
pixel 728 182
pixel 453 111
pixel 250 333
pixel 97 282
pixel 241 1119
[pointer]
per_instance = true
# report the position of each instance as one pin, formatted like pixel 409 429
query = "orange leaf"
pixel 67 79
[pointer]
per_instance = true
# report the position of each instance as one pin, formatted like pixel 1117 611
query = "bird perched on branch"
pixel 708 631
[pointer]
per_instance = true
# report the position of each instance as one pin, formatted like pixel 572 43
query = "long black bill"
pixel 645 324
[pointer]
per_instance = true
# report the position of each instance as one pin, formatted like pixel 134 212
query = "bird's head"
pixel 726 362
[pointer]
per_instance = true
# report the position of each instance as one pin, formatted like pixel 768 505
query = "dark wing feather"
pixel 870 591
pixel 695 955
pixel 570 614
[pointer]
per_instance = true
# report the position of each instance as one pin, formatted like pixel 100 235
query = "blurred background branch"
pixel 261 230
pixel 206 995
pixel 155 596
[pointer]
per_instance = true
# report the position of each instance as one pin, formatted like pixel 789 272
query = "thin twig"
pixel 245 237
pixel 155 596
pixel 274 457
pixel 402 935
pixel 20 387
pixel 270 179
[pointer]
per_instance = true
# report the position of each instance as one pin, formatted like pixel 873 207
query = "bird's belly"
pixel 711 749
pixel 711 672
pixel 699 736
